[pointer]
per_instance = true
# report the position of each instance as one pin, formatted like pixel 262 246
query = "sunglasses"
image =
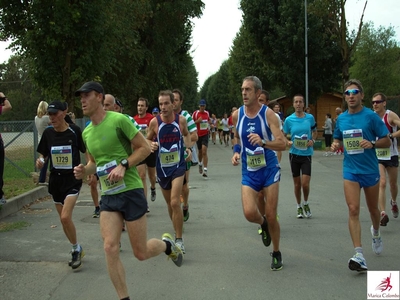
pixel 351 92
pixel 378 101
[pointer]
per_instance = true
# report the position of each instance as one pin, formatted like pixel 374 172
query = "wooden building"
pixel 326 103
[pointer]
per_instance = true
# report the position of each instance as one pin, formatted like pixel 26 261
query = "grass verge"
pixel 4 227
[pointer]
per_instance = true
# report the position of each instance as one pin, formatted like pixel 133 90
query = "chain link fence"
pixel 20 143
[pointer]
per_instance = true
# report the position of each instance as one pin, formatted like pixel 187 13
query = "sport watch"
pixel 263 143
pixel 373 144
pixel 125 163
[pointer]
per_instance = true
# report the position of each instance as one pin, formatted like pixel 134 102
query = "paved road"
pixel 225 257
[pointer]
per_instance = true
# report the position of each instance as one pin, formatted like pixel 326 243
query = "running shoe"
pixel 307 211
pixel 277 263
pixel 179 243
pixel 185 213
pixel 76 259
pixel 395 209
pixel 200 169
pixel 3 200
pixel 300 213
pixel 148 209
pixel 176 253
pixel 384 219
pixel 205 175
pixel 377 244
pixel 153 194
pixel 265 236
pixel 358 263
pixel 96 213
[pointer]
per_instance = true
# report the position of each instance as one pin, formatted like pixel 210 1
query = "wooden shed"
pixel 326 103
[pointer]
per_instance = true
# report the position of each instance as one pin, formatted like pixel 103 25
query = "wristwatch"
pixel 125 163
pixel 391 136
pixel 373 143
pixel 263 143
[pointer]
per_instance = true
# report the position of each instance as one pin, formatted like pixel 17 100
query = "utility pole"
pixel 306 49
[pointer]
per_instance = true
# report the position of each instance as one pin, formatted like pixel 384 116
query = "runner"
pixel 360 166
pixel 143 118
pixel 302 129
pixel 202 119
pixel 122 190
pixel 178 100
pixel 171 133
pixel 388 158
pixel 255 127
pixel 60 144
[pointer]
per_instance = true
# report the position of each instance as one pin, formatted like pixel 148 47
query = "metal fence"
pixel 20 144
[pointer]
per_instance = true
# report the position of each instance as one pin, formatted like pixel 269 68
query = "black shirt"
pixel 62 148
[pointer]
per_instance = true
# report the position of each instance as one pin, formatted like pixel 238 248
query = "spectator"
pixel 328 134
pixel 42 120
pixel 5 106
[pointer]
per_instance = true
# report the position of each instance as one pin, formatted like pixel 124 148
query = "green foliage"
pixel 377 61
pixel 135 48
pixel 16 84
pixel 278 31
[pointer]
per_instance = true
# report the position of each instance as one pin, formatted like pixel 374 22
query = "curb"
pixel 15 204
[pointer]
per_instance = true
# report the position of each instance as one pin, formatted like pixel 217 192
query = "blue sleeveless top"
pixel 255 157
pixel 170 147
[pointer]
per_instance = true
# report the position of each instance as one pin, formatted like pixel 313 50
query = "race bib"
pixel 204 125
pixel 61 156
pixel 255 159
pixel 383 153
pixel 109 187
pixel 143 129
pixel 300 142
pixel 169 157
pixel 351 141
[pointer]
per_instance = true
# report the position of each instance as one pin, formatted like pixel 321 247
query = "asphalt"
pixel 225 257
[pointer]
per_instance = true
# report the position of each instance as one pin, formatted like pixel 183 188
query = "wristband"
pixel 237 148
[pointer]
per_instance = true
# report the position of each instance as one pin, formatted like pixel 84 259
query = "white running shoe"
pixel 377 244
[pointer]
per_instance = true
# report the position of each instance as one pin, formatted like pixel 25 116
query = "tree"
pixel 17 86
pixel 278 30
pixel 377 61
pixel 334 11
pixel 64 41
pixel 132 47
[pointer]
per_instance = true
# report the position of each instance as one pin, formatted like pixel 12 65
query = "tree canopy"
pixel 134 48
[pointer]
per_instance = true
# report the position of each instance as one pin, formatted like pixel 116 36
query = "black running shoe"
pixel 185 214
pixel 277 263
pixel 265 236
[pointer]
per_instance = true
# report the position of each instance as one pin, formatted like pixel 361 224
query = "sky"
pixel 214 32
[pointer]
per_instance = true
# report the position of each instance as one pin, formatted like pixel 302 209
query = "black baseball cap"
pixel 90 86
pixel 55 106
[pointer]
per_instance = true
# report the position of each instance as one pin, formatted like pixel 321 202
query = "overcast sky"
pixel 214 32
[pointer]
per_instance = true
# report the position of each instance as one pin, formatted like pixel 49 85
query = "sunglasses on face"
pixel 377 101
pixel 351 92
